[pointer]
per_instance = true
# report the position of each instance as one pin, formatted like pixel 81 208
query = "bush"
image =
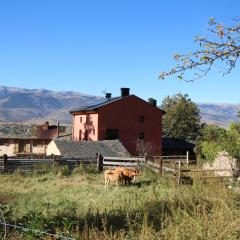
pixel 215 139
pixel 209 150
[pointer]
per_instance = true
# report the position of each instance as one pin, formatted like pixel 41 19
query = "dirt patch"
pixel 4 199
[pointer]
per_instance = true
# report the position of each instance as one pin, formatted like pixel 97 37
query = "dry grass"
pixel 152 208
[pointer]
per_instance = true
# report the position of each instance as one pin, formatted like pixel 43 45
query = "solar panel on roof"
pixel 101 101
pixel 96 104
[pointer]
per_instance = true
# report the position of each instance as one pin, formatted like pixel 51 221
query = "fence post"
pixel 5 158
pixel 161 165
pixel 179 173
pixel 53 157
pixel 99 162
pixel 187 157
pixel 145 157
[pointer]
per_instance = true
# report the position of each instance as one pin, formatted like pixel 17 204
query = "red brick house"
pixel 127 118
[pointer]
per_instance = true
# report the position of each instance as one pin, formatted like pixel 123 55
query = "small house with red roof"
pixel 134 121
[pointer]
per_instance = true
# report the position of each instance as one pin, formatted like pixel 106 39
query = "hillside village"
pixel 127 118
pixel 121 126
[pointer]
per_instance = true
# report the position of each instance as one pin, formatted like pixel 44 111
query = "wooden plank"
pixel 205 171
pixel 90 161
pixel 123 159
pixel 76 159
pixel 121 164
pixel 170 156
pixel 158 167
pixel 29 160
pixel 206 177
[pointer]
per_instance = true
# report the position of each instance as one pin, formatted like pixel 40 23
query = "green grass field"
pixel 153 207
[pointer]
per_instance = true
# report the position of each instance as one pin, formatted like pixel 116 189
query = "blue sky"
pixel 95 46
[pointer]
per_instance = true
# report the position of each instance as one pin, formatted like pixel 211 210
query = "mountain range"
pixel 40 105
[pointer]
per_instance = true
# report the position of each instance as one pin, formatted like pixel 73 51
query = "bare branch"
pixel 224 47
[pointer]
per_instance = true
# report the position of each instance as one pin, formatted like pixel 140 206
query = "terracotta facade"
pixel 129 119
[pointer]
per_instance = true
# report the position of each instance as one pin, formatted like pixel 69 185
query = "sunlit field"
pixel 77 205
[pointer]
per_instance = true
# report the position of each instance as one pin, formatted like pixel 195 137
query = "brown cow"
pixel 112 176
pixel 128 173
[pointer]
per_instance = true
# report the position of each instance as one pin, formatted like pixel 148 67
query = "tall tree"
pixel 182 118
pixel 222 47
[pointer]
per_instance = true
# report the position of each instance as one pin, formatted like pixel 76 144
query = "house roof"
pixel 97 104
pixel 88 149
pixel 103 102
pixel 21 131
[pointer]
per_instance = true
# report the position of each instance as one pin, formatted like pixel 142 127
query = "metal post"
pixel 5 158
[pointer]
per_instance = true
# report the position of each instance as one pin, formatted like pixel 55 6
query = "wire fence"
pixel 36 231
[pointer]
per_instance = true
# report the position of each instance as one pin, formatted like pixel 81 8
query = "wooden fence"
pixel 35 165
pixel 123 161
pixel 182 172
pixel 177 166
pixel 141 161
pixel 30 163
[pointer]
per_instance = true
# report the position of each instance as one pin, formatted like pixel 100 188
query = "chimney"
pixel 152 101
pixel 125 92
pixel 108 95
pixel 58 129
pixel 46 126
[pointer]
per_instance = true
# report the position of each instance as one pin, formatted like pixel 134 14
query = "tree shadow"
pixel 154 213
pixel 89 128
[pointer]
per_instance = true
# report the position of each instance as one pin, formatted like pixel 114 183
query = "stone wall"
pixel 223 161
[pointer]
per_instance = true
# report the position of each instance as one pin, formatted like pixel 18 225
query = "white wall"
pixel 52 149
pixel 7 149
pixel 11 148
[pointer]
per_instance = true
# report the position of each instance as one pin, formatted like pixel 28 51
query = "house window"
pixel 87 119
pixel 4 142
pixel 141 119
pixel 24 147
pixel 141 135
pixel 80 135
pixel 80 119
pixel 37 143
pixel 93 131
pixel 112 134
pixel 86 135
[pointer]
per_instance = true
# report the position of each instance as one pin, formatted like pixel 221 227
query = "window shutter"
pixel 16 148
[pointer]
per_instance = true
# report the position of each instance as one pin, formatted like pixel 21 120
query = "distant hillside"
pixel 220 114
pixel 39 105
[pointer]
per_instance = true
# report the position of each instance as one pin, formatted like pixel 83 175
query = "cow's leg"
pixel 106 182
